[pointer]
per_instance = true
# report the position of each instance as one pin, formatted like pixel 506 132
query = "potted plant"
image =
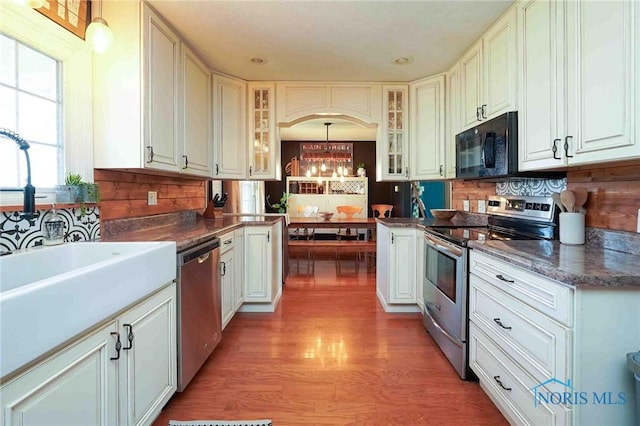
pixel 68 193
pixel 282 204
pixel 361 172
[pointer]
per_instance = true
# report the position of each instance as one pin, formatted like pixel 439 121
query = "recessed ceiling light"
pixel 403 60
pixel 258 61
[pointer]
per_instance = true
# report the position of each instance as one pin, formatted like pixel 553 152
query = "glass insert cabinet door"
pixel 263 131
pixel 395 132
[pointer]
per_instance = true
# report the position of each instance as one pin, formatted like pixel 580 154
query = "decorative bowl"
pixel 443 214
pixel 326 215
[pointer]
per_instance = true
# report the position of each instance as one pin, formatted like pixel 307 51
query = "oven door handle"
pixel 442 330
pixel 454 251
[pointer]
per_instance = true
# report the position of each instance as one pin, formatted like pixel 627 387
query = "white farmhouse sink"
pixel 50 294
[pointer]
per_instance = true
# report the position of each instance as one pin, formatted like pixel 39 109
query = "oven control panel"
pixel 526 207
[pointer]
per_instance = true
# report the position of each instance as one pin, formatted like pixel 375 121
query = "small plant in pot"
pixel 68 193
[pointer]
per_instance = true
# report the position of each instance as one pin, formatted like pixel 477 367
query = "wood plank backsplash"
pixel 123 194
pixel 614 193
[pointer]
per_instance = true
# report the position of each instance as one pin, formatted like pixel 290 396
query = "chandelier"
pixel 326 162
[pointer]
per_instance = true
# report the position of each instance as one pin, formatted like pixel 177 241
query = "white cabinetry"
pixel 151 108
pixel 298 100
pixel 238 255
pixel 585 108
pixel 488 73
pixel 197 118
pixel 427 135
pixel 262 267
pixel 393 152
pixel 452 119
pixel 228 277
pixel 147 368
pixel 264 152
pixel 530 335
pixel 229 128
pixel 397 268
pixel 92 381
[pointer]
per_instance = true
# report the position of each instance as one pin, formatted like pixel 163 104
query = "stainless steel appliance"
pixel 199 311
pixel 445 280
pixel 489 150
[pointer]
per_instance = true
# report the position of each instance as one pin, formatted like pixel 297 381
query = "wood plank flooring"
pixel 330 355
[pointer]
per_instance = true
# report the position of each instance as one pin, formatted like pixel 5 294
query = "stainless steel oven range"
pixel 445 279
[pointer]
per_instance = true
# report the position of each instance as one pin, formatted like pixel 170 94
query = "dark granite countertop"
pixel 402 222
pixel 191 232
pixel 580 266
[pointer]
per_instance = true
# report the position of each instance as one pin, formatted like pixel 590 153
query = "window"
pixel 50 68
pixel 31 105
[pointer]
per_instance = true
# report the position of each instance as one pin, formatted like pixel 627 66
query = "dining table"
pixel 336 222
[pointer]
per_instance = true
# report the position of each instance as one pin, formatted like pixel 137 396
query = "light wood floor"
pixel 330 355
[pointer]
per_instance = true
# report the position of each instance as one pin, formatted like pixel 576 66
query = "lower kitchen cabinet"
pixel 397 267
pixel 120 373
pixel 262 273
pixel 533 341
pixel 228 277
pixel 239 260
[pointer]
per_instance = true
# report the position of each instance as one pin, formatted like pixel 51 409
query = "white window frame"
pixel 39 32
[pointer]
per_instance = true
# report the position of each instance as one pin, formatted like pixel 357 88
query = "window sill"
pixel 46 206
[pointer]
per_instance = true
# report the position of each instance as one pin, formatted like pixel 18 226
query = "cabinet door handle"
pixel 441 170
pixel 118 346
pixel 478 114
pixel 224 269
pixel 497 379
pixel 130 336
pixel 392 237
pixel 268 236
pixel 502 278
pixel 217 169
pixel 149 154
pixel 497 321
pixel 483 110
pixel 555 148
pixel 566 146
pixel 250 170
pixel 186 162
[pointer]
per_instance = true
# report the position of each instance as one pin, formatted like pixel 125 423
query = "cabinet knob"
pixel 224 268
pixel 217 169
pixel 149 154
pixel 130 336
pixel 186 161
pixel 478 114
pixel 441 170
pixel 483 111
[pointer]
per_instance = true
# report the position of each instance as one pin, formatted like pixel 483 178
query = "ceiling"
pixel 330 40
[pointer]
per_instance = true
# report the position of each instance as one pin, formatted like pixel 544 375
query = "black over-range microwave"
pixel 489 150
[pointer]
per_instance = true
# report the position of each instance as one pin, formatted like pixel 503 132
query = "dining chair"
pixel 379 210
pixel 305 234
pixel 347 233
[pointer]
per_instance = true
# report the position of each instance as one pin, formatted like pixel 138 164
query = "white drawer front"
pixel 543 294
pixel 517 403
pixel 226 242
pixel 539 344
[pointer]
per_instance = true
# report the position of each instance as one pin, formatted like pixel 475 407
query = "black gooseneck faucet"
pixel 29 190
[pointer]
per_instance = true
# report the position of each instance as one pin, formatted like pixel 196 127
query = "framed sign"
pixel 73 15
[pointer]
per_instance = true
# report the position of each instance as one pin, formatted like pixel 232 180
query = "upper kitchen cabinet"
pixel 488 73
pixel 427 135
pixel 264 151
pixel 452 119
pixel 583 109
pixel 393 150
pixel 229 128
pixel 136 92
pixel 197 118
pixel 298 100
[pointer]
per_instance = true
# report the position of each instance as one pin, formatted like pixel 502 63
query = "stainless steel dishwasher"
pixel 199 313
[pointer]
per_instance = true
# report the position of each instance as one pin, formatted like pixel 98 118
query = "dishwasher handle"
pixel 199 252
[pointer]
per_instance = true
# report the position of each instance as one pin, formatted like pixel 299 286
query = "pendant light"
pixel 323 167
pixel 98 35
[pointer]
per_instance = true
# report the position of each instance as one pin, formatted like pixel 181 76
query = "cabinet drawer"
pixel 539 344
pixel 226 242
pixel 543 294
pixel 516 401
